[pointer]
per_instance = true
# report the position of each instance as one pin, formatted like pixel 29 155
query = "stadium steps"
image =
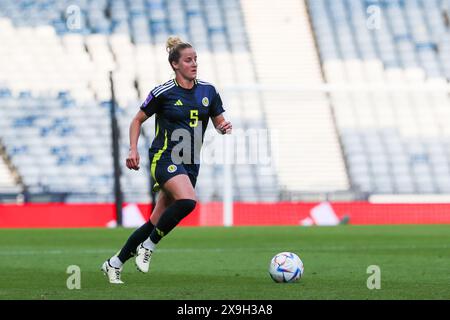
pixel 308 153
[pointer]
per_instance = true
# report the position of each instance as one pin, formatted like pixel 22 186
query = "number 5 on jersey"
pixel 194 119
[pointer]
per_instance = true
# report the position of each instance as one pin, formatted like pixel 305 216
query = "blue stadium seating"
pixel 400 143
pixel 62 144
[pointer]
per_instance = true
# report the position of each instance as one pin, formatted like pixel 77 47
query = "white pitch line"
pixel 218 250
pixel 112 251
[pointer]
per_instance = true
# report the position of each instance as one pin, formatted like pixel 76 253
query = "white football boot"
pixel 143 257
pixel 112 273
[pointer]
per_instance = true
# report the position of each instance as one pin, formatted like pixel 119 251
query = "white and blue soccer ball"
pixel 286 267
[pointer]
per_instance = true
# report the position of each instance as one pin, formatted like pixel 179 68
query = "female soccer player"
pixel 183 107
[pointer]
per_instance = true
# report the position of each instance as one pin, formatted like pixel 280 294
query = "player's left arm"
pixel 216 113
pixel 221 125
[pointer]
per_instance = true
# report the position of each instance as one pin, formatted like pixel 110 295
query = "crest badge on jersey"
pixel 172 168
pixel 205 101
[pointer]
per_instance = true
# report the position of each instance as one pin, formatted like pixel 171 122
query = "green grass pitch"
pixel 231 263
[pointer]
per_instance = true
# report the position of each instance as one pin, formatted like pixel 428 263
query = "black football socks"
pixel 171 217
pixel 137 237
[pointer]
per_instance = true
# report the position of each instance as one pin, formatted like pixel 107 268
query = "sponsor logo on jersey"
pixel 178 103
pixel 205 101
pixel 172 168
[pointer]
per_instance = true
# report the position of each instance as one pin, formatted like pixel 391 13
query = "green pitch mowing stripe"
pixel 231 263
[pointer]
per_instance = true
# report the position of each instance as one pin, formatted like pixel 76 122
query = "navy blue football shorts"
pixel 164 169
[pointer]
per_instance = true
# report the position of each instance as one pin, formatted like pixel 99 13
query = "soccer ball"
pixel 286 267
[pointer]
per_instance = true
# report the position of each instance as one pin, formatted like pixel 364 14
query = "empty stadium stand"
pixel 380 138
pixel 308 151
pixel 8 184
pixel 54 67
pixel 395 141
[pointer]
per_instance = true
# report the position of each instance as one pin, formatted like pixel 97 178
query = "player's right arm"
pixel 148 108
pixel 135 130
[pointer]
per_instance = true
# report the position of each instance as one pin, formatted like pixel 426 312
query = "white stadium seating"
pixel 55 94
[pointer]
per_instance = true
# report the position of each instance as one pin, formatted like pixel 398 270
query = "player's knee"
pixel 185 207
pixel 188 204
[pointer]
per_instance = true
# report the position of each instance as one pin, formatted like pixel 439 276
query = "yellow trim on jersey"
pixel 157 156
pixel 176 83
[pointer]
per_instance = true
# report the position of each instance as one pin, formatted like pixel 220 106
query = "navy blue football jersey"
pixel 182 116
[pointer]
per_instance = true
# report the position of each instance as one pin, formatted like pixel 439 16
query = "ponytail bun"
pixel 172 42
pixel 174 46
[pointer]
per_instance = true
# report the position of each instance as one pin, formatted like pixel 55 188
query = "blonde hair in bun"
pixel 174 46
pixel 172 42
